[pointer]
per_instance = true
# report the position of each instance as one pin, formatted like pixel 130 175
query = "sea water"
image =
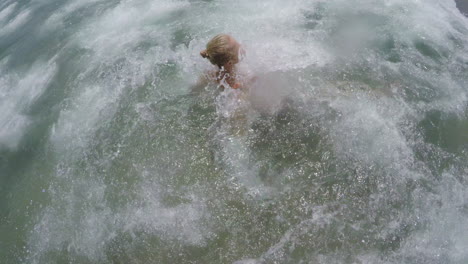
pixel 352 146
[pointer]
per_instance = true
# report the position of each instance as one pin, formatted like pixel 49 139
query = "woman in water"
pixel 225 52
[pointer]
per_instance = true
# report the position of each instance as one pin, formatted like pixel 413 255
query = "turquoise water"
pixel 353 144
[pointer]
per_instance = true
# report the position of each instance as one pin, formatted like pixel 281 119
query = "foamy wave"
pixel 6 12
pixel 18 21
pixel 18 95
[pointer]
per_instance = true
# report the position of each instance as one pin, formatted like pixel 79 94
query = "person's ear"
pixel 203 54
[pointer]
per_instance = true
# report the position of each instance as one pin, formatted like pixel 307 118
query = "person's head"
pixel 222 50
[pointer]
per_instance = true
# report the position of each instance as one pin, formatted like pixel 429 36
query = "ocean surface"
pixel 352 146
pixel 463 6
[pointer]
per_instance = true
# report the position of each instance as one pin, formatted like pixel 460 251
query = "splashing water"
pixel 352 148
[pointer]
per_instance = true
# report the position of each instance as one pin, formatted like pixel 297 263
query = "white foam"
pixel 446 237
pixel 185 222
pixel 56 20
pixel 6 12
pixel 14 24
pixel 369 130
pixel 127 24
pixel 86 231
pixel 110 38
pixel 81 221
pixel 18 94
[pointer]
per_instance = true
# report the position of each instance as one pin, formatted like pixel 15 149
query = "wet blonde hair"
pixel 221 49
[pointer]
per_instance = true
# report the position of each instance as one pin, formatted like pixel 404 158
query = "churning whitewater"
pixel 353 145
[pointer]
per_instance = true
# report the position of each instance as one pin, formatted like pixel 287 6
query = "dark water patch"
pixel 447 131
pixel 389 49
pixel 313 17
pixel 427 50
pixel 181 36
pixel 462 6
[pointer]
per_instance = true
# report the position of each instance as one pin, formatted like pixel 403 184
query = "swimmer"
pixel 224 52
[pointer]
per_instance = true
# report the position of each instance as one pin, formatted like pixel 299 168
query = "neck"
pixel 227 68
pixel 227 73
